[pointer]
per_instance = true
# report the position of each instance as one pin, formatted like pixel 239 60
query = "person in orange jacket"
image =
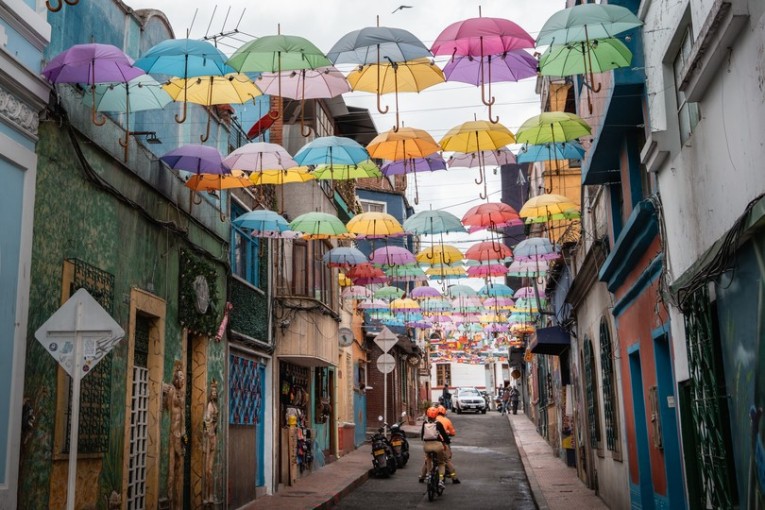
pixel 449 427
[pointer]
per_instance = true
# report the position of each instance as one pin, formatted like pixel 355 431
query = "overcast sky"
pixel 436 109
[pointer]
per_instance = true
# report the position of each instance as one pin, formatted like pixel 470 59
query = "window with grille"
pixel 610 407
pixel 136 491
pixel 245 250
pixel 373 206
pixel 687 112
pixel 591 393
pixel 311 277
pixel 443 374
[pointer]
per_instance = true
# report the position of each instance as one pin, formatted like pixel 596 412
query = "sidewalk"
pixel 555 486
pixel 323 488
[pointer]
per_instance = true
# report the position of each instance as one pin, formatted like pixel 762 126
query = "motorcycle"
pixel 399 443
pixel 383 459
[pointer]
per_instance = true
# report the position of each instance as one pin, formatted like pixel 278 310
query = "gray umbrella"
pixel 372 45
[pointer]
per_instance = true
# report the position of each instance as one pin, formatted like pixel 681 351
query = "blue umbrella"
pixel 184 58
pixel 550 152
pixel 344 256
pixel 197 159
pixel 496 290
pixel 263 223
pixel 331 150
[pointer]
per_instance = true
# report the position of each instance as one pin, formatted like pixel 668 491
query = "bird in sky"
pixel 401 7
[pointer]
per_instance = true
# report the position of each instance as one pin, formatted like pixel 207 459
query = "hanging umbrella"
pixel 344 257
pixel 373 304
pixel 383 78
pixel 528 269
pixel 318 225
pixel 511 66
pixel 90 64
pixel 404 305
pixel 528 292
pixel 535 248
pixel 497 157
pixel 216 182
pixel 213 90
pixel 403 144
pixel 486 270
pixel 491 215
pixel 366 274
pixel 546 207
pixel 586 21
pixel 259 156
pixel 374 45
pixel 456 291
pixel 499 303
pixel 446 272
pixel 388 292
pixel 184 58
pixel 391 256
pixel 413 165
pixel 195 158
pixel 364 170
pixel 139 94
pixel 551 152
pixel 331 150
pixel 488 250
pixel 302 84
pixel 441 254
pixel 480 37
pixel 280 177
pixel 433 222
pixel 424 292
pixel 406 273
pixel 277 53
pixel 262 223
pixel 495 290
pixel 356 292
pixel 477 136
pixel 375 225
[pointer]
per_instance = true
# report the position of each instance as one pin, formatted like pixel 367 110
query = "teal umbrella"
pixel 456 291
pixel 587 22
pixel 317 225
pixel 433 222
pixel 139 94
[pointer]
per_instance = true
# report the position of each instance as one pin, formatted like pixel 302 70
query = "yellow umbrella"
pixel 446 271
pixel 477 136
pixel 441 254
pixel 279 177
pixel 545 207
pixel 216 182
pixel 383 78
pixel 375 225
pixel 232 88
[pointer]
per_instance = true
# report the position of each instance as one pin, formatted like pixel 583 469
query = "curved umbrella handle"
pixel 72 2
pixel 182 119
pixel 274 114
pixel 379 106
pixel 480 177
pixel 53 8
pixel 203 138
pixel 496 120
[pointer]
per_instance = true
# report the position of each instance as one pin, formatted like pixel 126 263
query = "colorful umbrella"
pixel 195 158
pixel 391 256
pixel 184 58
pixel 374 225
pixel 456 291
pixel 404 305
pixel 527 292
pixel 90 64
pixel 510 66
pixel 551 152
pixel 546 207
pixel 413 165
pixel 406 273
pixel 480 37
pixel 139 94
pixel 495 290
pixel 366 274
pixel 364 170
pixel 528 269
pixel 535 248
pixel 586 21
pixel 441 254
pixel 433 222
pixel 491 215
pixel 216 182
pixel 486 270
pixel 344 257
pixel 318 225
pixel 388 292
pixel 497 157
pixel 424 292
pixel 383 78
pixel 213 90
pixel 260 156
pixel 279 177
pixel 488 250
pixel 331 150
pixel 446 272
pixel 356 292
pixel 262 223
pixel 374 304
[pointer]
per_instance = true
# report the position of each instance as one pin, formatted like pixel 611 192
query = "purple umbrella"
pixel 511 66
pixel 391 256
pixel 413 166
pixel 498 157
pixel 195 158
pixel 90 64
pixel 424 292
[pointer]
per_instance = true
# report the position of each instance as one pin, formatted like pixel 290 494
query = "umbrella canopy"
pixel 511 66
pixel 364 170
pixel 456 291
pixel 406 143
pixel 535 248
pixel 499 303
pixel 279 177
pixel 195 158
pixel 527 269
pixel 424 292
pixel 262 222
pixel 413 165
pixel 388 292
pixel 497 157
pixel 545 207
pixel 585 22
pixel 486 270
pixel 439 254
pixel 89 64
pixel 276 53
pixel 372 45
pixel 550 152
pixel 344 257
pixel 496 290
pixel 391 256
pixel 491 215
pixel 259 156
pixel 211 90
pixel 374 225
pixel 356 292
pixel 488 250
pixel 331 150
pixel 366 274
pixel 216 182
pixel 318 225
pixel 552 127
pixel 319 83
pixel 406 273
pixel 446 272
pixel 595 56
pixel 374 304
pixel 528 292
pixel 404 305
pixel 433 222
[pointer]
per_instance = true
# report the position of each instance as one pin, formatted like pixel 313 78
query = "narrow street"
pixel 487 462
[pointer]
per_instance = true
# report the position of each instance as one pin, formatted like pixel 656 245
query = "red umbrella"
pixel 488 250
pixel 365 274
pixel 491 215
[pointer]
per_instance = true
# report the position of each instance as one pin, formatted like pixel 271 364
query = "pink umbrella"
pixel 498 302
pixel 375 304
pixel 488 250
pixel 480 37
pixel 391 256
pixel 528 292
pixel 260 156
pixel 356 292
pixel 486 270
pixel 491 215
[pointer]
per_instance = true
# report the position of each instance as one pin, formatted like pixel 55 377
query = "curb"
pixel 334 500
pixel 536 490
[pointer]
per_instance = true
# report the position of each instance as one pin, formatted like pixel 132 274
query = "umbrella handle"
pixel 71 2
pixel 303 131
pixel 97 120
pixel 53 8
pixel 480 176
pixel 182 119
pixel 495 120
pixel 203 138
pixel 379 106
pixel 274 114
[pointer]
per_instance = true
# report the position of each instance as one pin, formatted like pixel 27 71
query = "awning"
pixel 552 341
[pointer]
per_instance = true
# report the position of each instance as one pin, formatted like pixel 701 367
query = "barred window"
pixel 443 374
pixel 591 393
pixel 610 407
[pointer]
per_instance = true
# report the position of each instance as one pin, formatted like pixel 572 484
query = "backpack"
pixel 430 431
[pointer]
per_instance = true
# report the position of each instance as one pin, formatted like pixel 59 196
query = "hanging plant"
pixel 198 295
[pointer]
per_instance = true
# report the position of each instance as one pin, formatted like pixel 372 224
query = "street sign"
pixel 78 336
pixel 386 339
pixel 386 363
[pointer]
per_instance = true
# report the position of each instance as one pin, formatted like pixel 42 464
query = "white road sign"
pixel 386 363
pixel 386 339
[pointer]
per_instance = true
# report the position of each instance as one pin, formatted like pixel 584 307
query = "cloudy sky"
pixel 436 109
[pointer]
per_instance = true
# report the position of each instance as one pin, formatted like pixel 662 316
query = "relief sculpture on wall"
pixel 174 400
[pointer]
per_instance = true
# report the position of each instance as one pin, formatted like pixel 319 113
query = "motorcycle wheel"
pixel 391 464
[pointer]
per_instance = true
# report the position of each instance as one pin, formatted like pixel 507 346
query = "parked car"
pixel 469 399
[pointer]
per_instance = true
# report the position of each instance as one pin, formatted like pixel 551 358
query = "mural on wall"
pixel 245 397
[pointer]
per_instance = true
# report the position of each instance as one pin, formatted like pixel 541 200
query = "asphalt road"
pixel 487 463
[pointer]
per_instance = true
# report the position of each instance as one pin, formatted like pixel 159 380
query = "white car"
pixel 469 399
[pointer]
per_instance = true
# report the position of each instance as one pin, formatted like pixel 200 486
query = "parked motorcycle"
pixel 399 443
pixel 383 459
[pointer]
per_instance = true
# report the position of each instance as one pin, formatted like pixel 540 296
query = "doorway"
pixel 641 433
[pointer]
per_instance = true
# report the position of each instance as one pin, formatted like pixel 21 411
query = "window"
pixel 687 113
pixel 324 125
pixel 443 374
pixel 310 276
pixel 591 393
pixel 245 250
pixel 609 384
pixel 373 206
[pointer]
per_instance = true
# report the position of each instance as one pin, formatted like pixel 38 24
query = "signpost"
pixel 385 339
pixel 78 336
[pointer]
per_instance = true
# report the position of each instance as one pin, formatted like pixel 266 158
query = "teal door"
pixel 643 497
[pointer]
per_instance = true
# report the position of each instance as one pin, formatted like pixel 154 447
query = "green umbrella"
pixel 585 22
pixel 388 293
pixel 597 56
pixel 456 291
pixel 552 127
pixel 317 225
pixel 363 170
